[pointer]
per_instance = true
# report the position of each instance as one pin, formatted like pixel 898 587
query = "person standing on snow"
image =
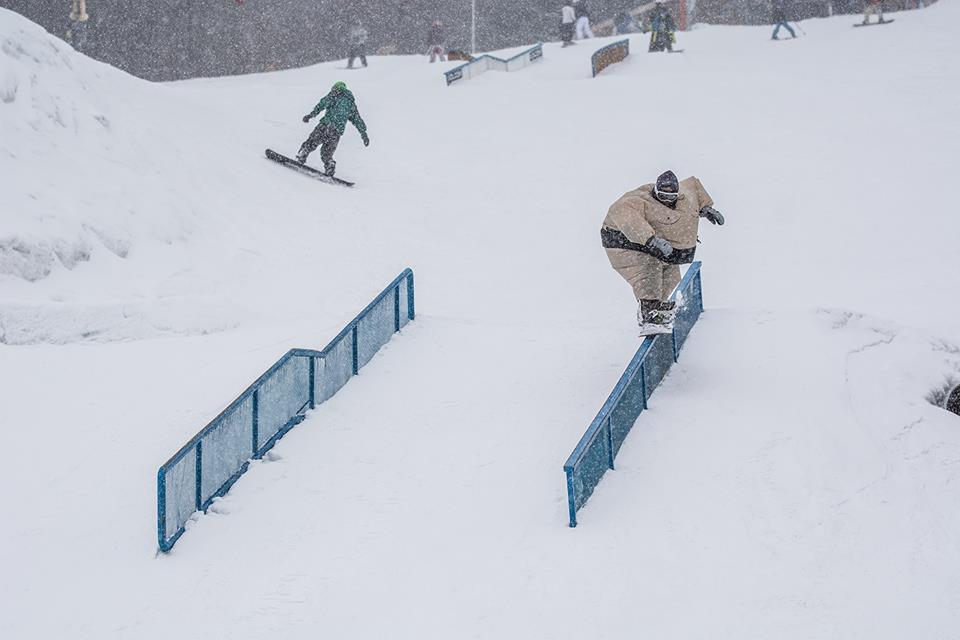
pixel 648 233
pixel 583 20
pixel 435 42
pixel 872 7
pixel 358 44
pixel 340 108
pixel 662 28
pixel 780 19
pixel 567 20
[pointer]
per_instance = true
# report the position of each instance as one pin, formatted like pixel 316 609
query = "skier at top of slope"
pixel 648 233
pixel 340 107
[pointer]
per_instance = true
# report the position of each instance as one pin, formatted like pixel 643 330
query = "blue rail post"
pixel 255 401
pixel 199 469
pixel 313 380
pixel 356 354
pixel 411 311
pixel 396 309
pixel 571 501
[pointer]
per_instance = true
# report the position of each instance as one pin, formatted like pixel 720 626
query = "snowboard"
pixel 873 24
pixel 649 330
pixel 305 169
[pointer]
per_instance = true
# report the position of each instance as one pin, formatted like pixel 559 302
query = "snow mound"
pixel 61 113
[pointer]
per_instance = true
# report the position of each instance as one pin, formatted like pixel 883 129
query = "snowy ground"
pixel 790 480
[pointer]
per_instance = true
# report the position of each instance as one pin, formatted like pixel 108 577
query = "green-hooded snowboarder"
pixel 340 108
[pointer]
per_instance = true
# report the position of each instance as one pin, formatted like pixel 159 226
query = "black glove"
pixel 660 245
pixel 712 215
pixel 366 140
pixel 306 118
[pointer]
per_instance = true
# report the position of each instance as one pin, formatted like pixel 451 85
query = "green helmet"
pixel 339 86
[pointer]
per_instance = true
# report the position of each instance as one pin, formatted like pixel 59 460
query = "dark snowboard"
pixel 872 24
pixel 306 170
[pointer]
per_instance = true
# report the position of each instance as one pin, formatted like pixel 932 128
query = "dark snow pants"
pixel 327 138
pixel 357 51
pixel 661 41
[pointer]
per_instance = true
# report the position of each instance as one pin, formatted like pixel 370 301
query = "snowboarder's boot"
pixel 302 157
pixel 330 169
pixel 669 308
pixel 652 319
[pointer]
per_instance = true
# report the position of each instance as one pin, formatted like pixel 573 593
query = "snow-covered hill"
pixel 790 480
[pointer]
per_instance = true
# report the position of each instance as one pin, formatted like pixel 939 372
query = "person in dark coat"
pixel 662 28
pixel 340 107
pixel 435 41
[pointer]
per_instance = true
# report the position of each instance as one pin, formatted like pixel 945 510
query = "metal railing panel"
pixel 335 368
pixel 225 448
pixel 375 329
pixel 283 395
pixel 179 499
pixel 208 465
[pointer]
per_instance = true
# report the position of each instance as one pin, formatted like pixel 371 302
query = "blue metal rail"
pixel 598 448
pixel 213 460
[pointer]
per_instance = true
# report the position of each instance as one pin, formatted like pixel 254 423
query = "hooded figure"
pixel 358 44
pixel 648 233
pixel 340 108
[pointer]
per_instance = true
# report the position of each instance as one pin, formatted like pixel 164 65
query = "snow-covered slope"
pixel 790 479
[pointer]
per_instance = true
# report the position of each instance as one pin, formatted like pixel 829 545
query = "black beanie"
pixel 668 182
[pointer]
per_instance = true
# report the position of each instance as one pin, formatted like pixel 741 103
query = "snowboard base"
pixel 306 169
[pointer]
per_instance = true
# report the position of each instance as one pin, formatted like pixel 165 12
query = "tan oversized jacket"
pixel 639 215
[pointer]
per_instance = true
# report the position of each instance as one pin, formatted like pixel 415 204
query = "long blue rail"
pixel 598 448
pixel 213 460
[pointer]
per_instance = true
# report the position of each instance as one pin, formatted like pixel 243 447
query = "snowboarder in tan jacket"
pixel 648 233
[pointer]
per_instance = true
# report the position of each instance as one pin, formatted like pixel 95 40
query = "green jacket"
pixel 340 107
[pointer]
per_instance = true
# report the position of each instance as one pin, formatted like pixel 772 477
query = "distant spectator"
pixel 77 31
pixel 873 7
pixel 568 19
pixel 358 44
pixel 583 20
pixel 435 42
pixel 780 18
